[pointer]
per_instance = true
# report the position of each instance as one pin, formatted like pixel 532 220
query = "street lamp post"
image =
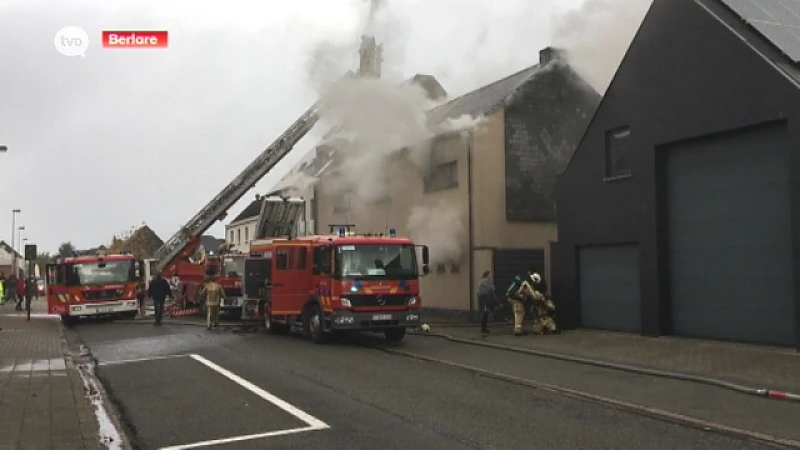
pixel 14 213
pixel 20 229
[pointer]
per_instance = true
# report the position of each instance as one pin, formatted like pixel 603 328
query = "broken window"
pixel 618 153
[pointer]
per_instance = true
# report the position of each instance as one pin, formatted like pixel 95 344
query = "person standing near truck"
pixel 213 294
pixel 159 291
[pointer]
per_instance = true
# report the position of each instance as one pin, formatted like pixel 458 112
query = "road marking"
pixel 150 358
pixel 314 424
pixel 312 421
pixel 242 438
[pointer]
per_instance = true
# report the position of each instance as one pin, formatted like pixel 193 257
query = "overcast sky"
pixel 101 144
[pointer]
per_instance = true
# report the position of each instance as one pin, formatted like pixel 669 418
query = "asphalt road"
pixel 343 396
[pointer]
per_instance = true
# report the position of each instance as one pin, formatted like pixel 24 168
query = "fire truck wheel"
pixel 313 323
pixel 395 334
pixel 269 325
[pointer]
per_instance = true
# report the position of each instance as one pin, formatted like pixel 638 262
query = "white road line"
pixel 242 438
pixel 312 421
pixel 128 361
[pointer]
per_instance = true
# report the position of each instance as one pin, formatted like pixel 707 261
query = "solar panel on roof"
pixel 777 20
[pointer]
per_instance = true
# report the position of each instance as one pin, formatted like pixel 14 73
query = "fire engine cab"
pixel 93 285
pixel 338 282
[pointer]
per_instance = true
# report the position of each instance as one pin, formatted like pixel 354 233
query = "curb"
pixel 89 382
pixel 618 404
pixel 758 392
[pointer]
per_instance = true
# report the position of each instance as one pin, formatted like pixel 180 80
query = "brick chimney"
pixel 549 54
pixel 371 57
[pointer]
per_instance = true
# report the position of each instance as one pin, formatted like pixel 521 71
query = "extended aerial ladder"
pixel 184 242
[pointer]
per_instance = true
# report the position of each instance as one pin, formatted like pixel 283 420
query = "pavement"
pixel 43 399
pixel 758 366
pixel 232 389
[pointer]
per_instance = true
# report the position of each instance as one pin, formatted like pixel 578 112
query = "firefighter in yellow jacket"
pixel 542 308
pixel 213 294
pixel 519 292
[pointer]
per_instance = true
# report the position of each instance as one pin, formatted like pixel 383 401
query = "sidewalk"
pixel 43 403
pixel 756 366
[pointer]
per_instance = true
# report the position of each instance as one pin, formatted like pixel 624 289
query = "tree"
pixel 42 260
pixel 66 249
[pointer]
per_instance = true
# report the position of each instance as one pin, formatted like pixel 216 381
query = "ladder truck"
pixel 185 242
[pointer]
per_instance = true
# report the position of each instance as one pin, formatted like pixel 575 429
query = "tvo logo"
pixel 72 41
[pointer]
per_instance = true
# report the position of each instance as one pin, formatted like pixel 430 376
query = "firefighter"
pixel 543 308
pixel 213 294
pixel 3 283
pixel 519 292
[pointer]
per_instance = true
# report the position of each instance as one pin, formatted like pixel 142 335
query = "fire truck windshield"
pixel 94 273
pixel 397 262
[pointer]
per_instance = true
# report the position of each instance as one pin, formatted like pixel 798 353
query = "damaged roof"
pixel 483 100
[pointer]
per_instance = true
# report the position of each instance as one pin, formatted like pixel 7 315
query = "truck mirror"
pixel 425 255
pixel 426 269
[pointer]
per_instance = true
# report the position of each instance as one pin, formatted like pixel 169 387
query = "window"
pixel 247 235
pixel 299 258
pixel 341 202
pixel 618 153
pixel 282 259
pixel 231 240
pixel 444 176
pixel 239 236
pixel 290 258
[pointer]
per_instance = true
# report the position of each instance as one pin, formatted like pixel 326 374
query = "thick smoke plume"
pixel 375 118
pixel 597 35
pixel 372 119
pixel 441 228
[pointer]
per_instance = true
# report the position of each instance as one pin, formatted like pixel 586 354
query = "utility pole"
pixel 20 229
pixel 14 213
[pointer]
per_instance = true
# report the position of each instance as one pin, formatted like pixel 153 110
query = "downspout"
pixel 470 230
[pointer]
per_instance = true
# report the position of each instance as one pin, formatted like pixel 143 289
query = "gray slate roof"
pixel 484 100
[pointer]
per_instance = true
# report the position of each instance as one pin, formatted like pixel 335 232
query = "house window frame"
pixel 611 159
pixel 442 177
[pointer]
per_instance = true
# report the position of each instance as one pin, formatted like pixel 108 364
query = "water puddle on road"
pixel 109 434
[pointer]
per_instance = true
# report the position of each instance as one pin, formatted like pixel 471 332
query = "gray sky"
pixel 101 144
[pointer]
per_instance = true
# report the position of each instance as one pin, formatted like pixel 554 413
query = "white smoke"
pixel 441 228
pixel 463 123
pixel 375 118
pixel 371 120
pixel 296 183
pixel 597 36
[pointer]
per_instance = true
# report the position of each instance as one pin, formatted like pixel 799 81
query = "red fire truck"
pixel 228 269
pixel 337 282
pixel 93 285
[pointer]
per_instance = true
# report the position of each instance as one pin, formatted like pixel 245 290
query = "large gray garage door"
pixel 609 287
pixel 730 239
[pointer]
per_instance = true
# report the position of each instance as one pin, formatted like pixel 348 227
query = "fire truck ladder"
pixel 278 217
pixel 218 207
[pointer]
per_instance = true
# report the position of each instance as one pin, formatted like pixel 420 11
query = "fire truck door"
pixel 53 277
pixel 290 278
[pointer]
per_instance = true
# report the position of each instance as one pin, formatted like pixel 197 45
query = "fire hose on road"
pixel 759 392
